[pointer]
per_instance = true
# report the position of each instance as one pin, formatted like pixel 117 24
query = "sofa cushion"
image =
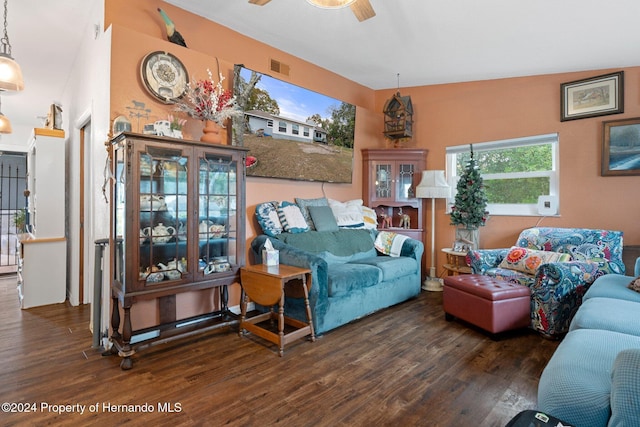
pixel 391 267
pixel 528 260
pixel 344 278
pixel 612 286
pixel 291 218
pixel 323 219
pixel 304 205
pixel 609 314
pixel 575 386
pixel 267 216
pixel 625 389
pixel 583 244
pixel 340 243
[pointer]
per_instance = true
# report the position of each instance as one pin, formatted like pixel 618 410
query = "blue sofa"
pixel 556 287
pixel 593 378
pixel 350 279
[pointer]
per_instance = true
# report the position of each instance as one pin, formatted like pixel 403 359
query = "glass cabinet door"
pixel 383 180
pixel 217 215
pixel 405 189
pixel 163 214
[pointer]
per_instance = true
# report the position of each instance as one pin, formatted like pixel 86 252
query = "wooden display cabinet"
pixel 390 178
pixel 177 225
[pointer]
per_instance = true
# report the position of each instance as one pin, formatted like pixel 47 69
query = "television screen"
pixel 292 132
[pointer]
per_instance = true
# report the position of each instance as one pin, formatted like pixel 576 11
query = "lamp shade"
pixel 5 124
pixel 10 74
pixel 433 186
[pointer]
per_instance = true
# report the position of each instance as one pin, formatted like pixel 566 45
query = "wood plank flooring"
pixel 402 366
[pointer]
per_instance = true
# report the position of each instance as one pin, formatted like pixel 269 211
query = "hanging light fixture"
pixel 330 4
pixel 10 72
pixel 5 124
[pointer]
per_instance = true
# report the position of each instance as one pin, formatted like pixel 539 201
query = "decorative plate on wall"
pixel 164 76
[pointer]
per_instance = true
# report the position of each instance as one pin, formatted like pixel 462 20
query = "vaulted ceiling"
pixel 424 41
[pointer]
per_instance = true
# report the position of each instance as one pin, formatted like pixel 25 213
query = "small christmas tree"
pixel 469 209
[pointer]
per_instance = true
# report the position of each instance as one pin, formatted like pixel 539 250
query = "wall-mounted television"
pixel 292 132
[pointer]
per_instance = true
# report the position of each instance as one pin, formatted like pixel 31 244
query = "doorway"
pixel 13 203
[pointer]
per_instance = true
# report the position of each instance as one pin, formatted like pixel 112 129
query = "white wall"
pixel 87 101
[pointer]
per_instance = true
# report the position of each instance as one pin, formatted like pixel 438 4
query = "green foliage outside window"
pixel 516 190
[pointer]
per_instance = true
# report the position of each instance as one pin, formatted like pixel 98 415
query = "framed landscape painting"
pixel 597 96
pixel 621 147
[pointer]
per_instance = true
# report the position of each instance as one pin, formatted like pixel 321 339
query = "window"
pixel 295 129
pixel 515 171
pixel 282 127
pixel 305 131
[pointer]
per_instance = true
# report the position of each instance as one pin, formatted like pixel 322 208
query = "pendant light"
pixel 5 124
pixel 10 72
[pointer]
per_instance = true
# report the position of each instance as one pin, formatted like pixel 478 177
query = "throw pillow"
pixel 528 260
pixel 323 218
pixel 635 284
pixel 370 218
pixel 291 218
pixel 267 216
pixel 304 205
pixel 348 214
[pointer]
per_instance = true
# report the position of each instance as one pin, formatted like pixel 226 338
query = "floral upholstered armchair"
pixel 558 265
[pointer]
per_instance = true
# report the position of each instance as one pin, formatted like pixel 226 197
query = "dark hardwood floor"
pixel 402 366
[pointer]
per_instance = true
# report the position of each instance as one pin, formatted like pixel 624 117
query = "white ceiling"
pixel 425 41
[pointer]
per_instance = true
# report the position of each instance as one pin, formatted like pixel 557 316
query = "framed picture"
pixel 597 96
pixel 621 147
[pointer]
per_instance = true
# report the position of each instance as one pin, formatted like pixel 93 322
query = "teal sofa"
pixel 556 287
pixel 593 378
pixel 350 278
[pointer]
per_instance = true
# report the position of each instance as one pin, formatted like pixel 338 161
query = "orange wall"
pixel 451 114
pixel 137 29
pixel 464 113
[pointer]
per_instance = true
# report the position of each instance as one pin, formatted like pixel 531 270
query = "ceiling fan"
pixel 361 8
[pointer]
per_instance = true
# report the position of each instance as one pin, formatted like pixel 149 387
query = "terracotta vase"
pixel 211 133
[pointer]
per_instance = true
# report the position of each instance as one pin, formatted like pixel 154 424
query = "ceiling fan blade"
pixel 259 2
pixel 362 9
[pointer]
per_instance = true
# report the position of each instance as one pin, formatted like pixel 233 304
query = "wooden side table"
pixel 266 286
pixel 456 262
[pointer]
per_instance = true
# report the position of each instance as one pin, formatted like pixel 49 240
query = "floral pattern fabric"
pixel 557 287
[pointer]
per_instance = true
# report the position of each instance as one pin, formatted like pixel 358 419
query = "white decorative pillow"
pixel 291 218
pixel 348 214
pixel 370 218
pixel 528 260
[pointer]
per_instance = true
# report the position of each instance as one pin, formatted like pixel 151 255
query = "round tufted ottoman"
pixel 491 304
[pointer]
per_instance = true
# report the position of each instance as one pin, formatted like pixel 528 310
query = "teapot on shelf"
pixel 172 270
pixel 159 234
pixel 150 202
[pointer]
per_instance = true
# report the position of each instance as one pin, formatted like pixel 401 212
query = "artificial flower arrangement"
pixel 176 123
pixel 207 100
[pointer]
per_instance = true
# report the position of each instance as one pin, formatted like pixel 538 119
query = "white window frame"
pixel 523 209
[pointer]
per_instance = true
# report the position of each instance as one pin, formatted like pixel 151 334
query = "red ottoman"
pixel 491 304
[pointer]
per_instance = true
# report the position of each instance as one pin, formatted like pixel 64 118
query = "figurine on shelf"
pixel 386 219
pixel 405 219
